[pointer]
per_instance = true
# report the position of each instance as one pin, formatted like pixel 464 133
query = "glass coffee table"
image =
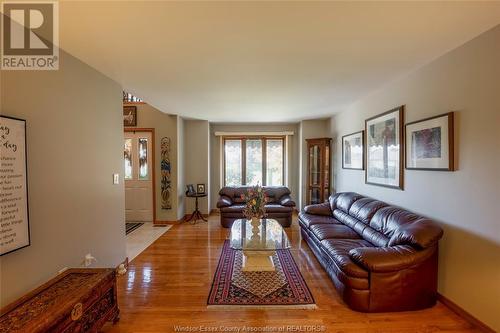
pixel 258 241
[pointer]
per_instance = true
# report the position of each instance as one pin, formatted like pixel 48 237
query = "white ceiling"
pixel 264 61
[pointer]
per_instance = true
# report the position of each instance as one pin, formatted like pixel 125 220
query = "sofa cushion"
pixel 286 200
pixel 275 193
pixel 422 233
pixel 237 208
pixel 332 200
pixel 234 193
pixel 224 201
pixel 373 236
pixel 274 208
pixel 345 200
pixel 335 230
pixel 338 251
pixel 309 219
pixel 319 209
pixel 364 209
pixel 345 218
pixel 389 219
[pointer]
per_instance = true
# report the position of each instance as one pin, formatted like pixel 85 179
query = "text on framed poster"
pixel 14 215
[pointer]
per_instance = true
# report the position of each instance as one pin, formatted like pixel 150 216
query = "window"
pixel 254 160
pixel 274 158
pixel 143 159
pixel 128 158
pixel 233 168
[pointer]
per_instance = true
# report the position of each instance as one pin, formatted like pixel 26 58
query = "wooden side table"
pixel 196 215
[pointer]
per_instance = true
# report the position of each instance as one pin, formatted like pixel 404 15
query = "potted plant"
pixel 255 209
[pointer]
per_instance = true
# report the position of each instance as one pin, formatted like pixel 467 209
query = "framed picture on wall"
pixel 352 151
pixel 429 143
pixel 15 228
pixel 129 115
pixel 384 149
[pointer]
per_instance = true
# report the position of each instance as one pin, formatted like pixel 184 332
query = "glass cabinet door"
pixel 314 165
pixel 326 173
pixel 315 173
pixel 318 178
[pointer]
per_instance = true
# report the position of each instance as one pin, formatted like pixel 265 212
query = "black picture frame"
pixel 450 138
pixel 399 111
pixel 129 115
pixel 200 188
pixel 26 185
pixel 190 189
pixel 362 133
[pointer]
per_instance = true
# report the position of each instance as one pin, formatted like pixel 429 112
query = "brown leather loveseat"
pixel 379 257
pixel 279 207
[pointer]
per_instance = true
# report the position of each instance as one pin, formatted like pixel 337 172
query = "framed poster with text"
pixel 14 216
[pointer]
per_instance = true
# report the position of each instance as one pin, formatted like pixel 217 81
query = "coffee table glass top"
pixel 267 235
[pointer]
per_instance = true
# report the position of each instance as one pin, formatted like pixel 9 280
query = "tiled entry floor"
pixel 139 239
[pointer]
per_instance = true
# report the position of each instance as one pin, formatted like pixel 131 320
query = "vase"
pixel 255 222
pixel 255 238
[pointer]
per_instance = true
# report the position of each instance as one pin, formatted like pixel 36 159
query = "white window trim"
pixel 284 133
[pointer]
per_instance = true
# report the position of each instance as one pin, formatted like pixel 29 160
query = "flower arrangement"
pixel 255 199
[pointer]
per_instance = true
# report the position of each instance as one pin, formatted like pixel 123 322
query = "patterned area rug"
pixel 284 287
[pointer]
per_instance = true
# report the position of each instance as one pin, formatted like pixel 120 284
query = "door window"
pixel 143 159
pixel 127 153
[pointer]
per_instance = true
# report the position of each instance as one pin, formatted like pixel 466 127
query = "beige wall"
pixel 181 175
pixel 75 144
pixel 309 129
pixel 215 153
pixel 196 160
pixel 465 202
pixel 165 125
pixel 189 157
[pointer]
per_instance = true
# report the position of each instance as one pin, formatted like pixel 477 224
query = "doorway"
pixel 139 175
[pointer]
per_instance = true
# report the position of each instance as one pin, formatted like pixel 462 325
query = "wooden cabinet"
pixel 318 170
pixel 78 300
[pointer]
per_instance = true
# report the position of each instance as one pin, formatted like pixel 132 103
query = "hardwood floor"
pixel 167 286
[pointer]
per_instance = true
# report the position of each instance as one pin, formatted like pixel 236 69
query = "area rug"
pixel 131 226
pixel 283 288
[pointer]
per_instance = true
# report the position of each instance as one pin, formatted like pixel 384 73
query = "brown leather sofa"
pixel 279 207
pixel 379 257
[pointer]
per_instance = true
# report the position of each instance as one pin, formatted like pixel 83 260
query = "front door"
pixel 138 177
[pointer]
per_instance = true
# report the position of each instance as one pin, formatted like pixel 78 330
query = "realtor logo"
pixel 30 35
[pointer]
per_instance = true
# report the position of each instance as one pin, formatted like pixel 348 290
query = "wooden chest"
pixel 77 300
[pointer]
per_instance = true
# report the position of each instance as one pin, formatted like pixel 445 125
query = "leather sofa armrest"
pixel 224 201
pixel 388 259
pixel 319 209
pixel 422 233
pixel 287 201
